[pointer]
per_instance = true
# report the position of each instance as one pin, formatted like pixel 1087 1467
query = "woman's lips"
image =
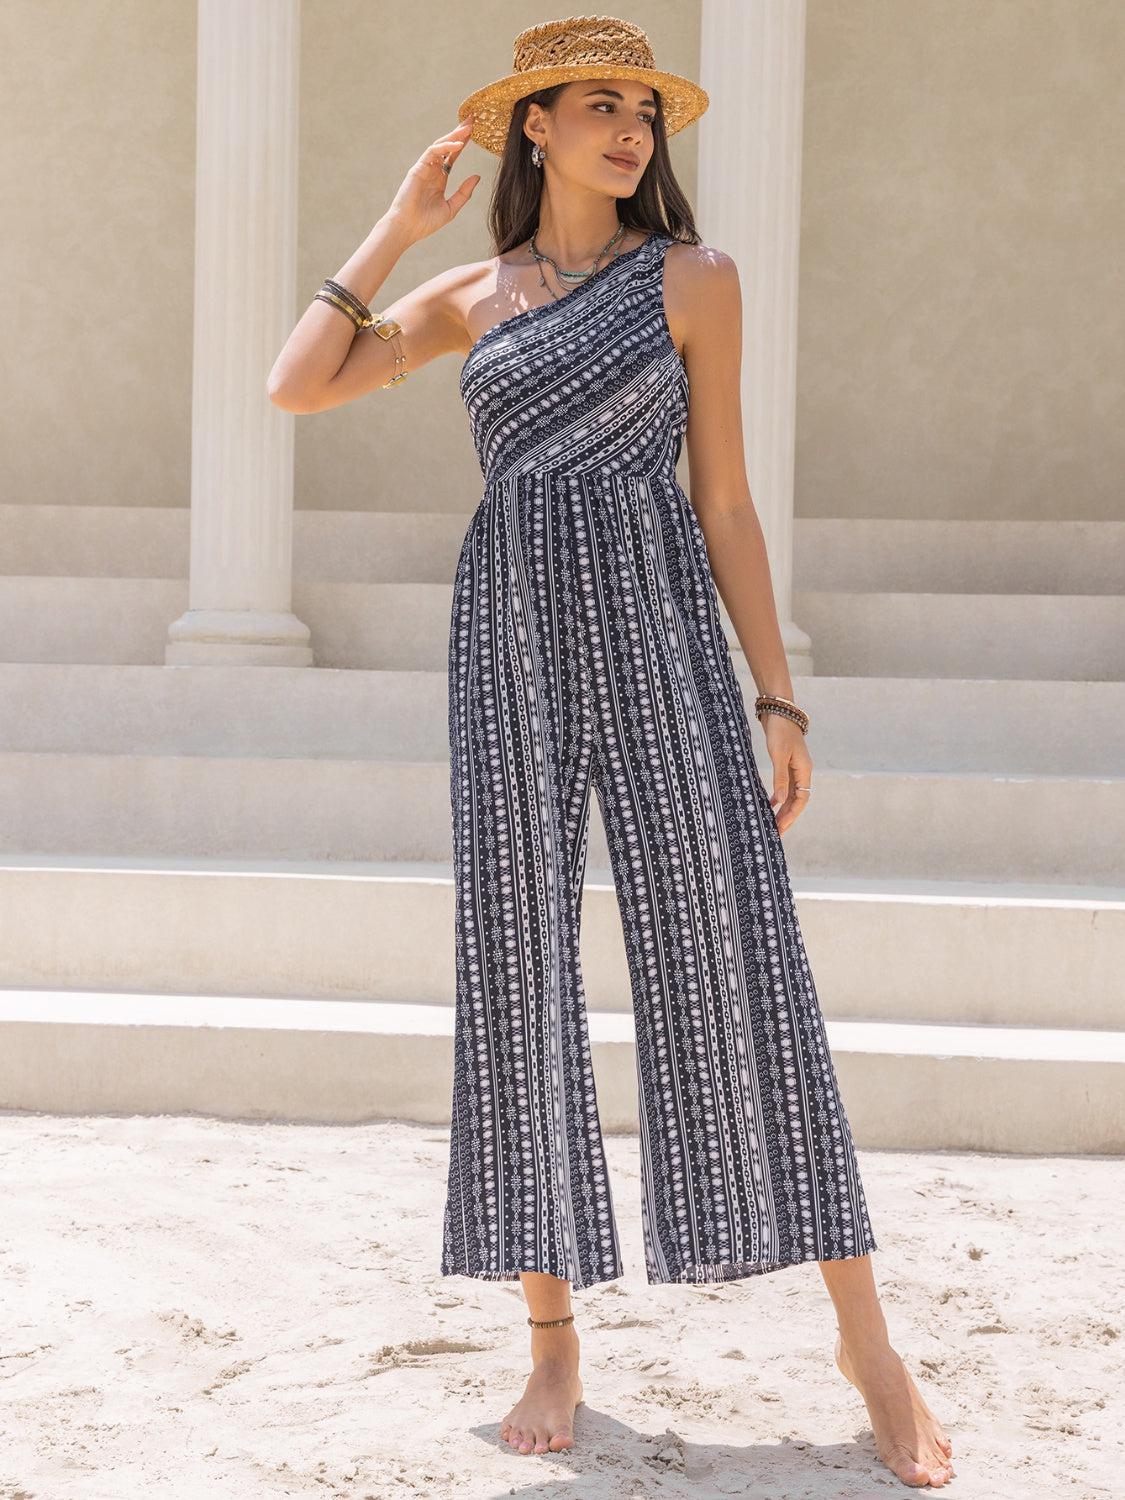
pixel 621 161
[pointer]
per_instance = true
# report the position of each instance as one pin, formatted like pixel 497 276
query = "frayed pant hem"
pixel 702 1271
pixel 736 1270
pixel 577 1284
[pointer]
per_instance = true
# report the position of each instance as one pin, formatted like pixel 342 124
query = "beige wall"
pixel 961 285
pixel 97 135
pixel 962 301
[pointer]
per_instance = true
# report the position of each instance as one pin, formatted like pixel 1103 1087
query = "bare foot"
pixel 542 1420
pixel 908 1437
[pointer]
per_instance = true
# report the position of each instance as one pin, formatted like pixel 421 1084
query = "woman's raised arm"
pixel 325 362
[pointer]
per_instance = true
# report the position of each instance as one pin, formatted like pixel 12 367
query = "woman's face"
pixel 595 119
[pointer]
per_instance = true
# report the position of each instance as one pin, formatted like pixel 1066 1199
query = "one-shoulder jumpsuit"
pixel 586 649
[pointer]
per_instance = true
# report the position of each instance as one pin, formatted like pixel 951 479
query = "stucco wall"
pixel 961 275
pixel 97 138
pixel 962 300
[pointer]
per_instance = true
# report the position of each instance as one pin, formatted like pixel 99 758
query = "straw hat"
pixel 578 47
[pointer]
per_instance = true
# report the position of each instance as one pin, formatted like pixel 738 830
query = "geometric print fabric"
pixel 587 657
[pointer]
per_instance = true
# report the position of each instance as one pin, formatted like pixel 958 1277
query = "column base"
pixel 220 637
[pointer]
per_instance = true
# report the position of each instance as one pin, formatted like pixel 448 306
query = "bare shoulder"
pixel 454 292
pixel 702 294
pixel 710 301
pixel 468 274
pixel 701 265
pixel 475 280
pixel 441 294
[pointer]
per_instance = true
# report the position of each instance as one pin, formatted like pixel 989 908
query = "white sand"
pixel 198 1308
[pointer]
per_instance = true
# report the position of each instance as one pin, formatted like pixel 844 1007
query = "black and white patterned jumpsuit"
pixel 586 649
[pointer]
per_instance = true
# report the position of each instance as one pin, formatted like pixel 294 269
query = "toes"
pixel 908 1469
pixel 939 1467
pixel 934 1472
pixel 537 1440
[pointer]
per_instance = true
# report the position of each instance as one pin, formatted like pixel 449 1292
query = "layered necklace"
pixel 574 275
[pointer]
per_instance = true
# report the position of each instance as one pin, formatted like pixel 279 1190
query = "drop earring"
pixel 537 155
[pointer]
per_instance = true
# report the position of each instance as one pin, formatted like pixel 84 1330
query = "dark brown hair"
pixel 658 205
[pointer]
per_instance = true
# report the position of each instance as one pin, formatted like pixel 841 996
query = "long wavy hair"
pixel 658 206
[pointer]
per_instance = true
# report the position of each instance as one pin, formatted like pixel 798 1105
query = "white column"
pixel 240 587
pixel 753 66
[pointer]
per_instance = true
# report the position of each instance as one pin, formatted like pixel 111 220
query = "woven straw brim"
pixel 681 100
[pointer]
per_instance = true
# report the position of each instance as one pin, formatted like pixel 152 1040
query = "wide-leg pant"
pixel 587 652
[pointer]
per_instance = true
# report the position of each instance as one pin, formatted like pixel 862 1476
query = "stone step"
pixel 928 951
pixel 921 556
pixel 870 824
pixel 405 626
pixel 1010 1089
pixel 878 555
pixel 1063 637
pixel 858 723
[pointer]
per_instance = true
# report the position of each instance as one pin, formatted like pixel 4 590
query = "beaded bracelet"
pixel 773 703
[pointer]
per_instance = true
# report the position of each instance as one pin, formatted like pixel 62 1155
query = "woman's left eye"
pixel 605 104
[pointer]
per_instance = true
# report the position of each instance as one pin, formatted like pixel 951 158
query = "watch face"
pixel 388 328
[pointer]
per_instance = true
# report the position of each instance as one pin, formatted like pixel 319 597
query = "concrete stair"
pixel 329 1061
pixel 132 795
pixel 1000 954
pixel 375 591
pixel 402 627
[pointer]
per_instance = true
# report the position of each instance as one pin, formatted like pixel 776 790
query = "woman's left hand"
pixel 792 768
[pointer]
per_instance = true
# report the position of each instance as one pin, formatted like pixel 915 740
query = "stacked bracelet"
pixel 348 303
pixel 338 296
pixel 772 703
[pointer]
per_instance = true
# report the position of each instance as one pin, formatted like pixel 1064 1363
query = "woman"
pixel 586 650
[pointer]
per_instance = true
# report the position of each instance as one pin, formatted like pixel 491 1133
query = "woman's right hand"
pixel 420 205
